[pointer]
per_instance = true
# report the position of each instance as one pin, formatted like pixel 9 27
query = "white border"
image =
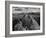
pixel 23 32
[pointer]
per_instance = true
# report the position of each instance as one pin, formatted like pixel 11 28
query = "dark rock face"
pixel 25 22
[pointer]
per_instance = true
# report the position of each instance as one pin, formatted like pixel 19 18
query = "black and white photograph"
pixel 25 18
